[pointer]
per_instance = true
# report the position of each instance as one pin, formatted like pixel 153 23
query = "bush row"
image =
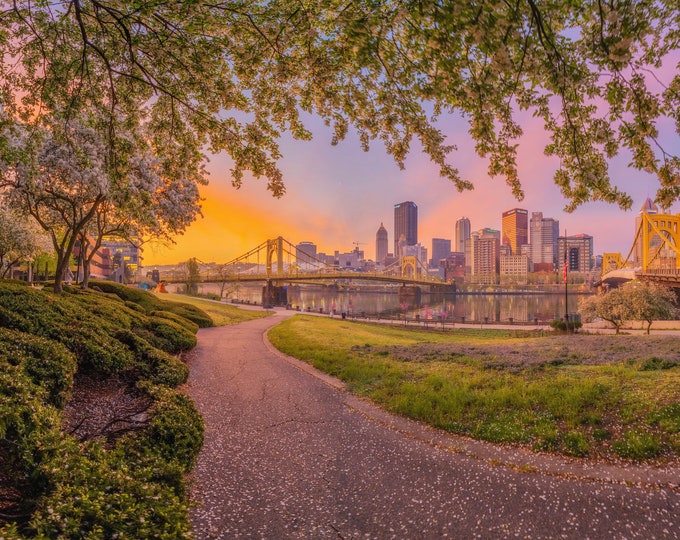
pixel 150 302
pixel 132 489
pixel 89 324
pixel 84 490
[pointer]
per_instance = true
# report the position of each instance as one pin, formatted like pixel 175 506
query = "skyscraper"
pixel 515 229
pixel 482 257
pixel 462 234
pixel 381 245
pixel 441 249
pixel 578 249
pixel 305 252
pixel 405 224
pixel 543 238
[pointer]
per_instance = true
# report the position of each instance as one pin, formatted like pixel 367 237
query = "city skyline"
pixel 339 195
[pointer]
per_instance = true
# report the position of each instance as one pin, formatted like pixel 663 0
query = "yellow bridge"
pixel 654 255
pixel 279 261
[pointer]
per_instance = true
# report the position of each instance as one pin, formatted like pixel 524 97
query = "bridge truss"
pixel 278 260
pixel 657 251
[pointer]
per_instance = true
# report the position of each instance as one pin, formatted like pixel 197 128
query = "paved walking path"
pixel 289 454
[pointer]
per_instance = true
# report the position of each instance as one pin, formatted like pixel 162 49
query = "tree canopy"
pixel 232 76
pixel 79 189
pixel 633 301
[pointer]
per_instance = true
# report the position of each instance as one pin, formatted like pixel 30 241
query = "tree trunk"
pixel 86 275
pixel 60 272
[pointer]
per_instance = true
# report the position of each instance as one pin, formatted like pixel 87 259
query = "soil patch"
pixel 106 408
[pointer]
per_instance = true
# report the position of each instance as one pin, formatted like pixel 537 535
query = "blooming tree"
pixel 144 206
pixel 21 240
pixel 231 76
pixel 60 182
pixel 633 301
pixel 649 302
pixel 77 187
pixel 611 307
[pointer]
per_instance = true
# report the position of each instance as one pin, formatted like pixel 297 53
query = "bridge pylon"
pixel 409 263
pixel 275 248
pixel 611 261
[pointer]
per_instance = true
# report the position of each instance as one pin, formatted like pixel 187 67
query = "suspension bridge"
pixel 654 255
pixel 278 262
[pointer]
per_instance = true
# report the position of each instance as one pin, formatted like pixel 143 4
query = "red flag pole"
pixel 566 289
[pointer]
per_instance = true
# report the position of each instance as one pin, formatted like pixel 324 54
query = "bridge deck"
pixel 328 277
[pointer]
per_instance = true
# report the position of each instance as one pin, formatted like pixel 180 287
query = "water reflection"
pixel 469 307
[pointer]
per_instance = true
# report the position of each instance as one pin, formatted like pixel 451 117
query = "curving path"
pixel 289 454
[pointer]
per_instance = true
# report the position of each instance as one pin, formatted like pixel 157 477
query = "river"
pixel 360 301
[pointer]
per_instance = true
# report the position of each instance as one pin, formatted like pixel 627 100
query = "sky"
pixel 337 196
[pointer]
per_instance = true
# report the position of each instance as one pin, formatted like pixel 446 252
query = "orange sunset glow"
pixel 338 196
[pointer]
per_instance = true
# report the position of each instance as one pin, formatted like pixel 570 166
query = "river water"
pixel 369 301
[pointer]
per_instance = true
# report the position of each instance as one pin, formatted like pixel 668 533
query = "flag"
pixel 565 270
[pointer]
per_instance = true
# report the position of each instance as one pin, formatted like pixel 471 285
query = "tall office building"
pixel 305 252
pixel 381 245
pixel 405 225
pixel 578 250
pixel 543 240
pixel 441 249
pixel 482 257
pixel 462 234
pixel 515 229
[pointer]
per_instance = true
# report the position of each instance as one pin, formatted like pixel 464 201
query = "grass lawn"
pixel 598 396
pixel 222 314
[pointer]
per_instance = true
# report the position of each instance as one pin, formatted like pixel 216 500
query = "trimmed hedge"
pixel 132 487
pixel 170 336
pixel 178 319
pixel 47 363
pixel 150 302
pixel 136 490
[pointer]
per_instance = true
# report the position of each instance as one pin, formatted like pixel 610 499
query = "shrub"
pixel 170 336
pixel 133 489
pixel 48 363
pixel 11 319
pixel 98 352
pixel 153 364
pixel 176 430
pixel 182 321
pixel 562 326
pixel 134 306
pixel 150 302
pixel 102 494
pixel 128 294
pixel 160 367
pixel 655 363
pixel 187 311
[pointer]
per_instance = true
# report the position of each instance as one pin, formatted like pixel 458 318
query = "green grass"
pixel 221 314
pixel 490 385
